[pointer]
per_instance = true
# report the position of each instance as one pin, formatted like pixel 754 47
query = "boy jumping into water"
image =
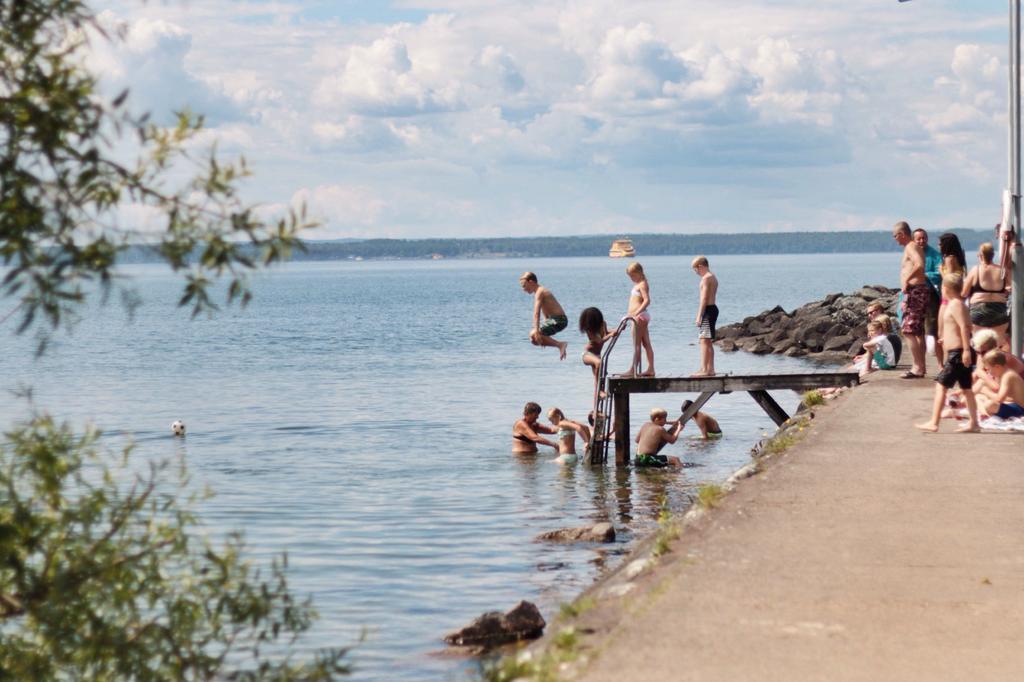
pixel 958 368
pixel 653 436
pixel 707 316
pixel 554 317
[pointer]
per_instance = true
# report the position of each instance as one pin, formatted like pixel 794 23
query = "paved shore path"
pixel 868 551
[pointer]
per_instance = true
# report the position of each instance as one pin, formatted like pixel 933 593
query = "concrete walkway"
pixel 868 551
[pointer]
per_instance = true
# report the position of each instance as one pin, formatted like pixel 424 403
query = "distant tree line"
pixel 597 245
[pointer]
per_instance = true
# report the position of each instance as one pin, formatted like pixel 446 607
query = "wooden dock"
pixel 757 385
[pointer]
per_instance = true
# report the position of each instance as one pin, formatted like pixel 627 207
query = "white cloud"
pixel 493 115
pixel 150 61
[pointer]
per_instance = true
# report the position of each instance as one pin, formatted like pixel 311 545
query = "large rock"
pixel 759 347
pixel 795 352
pixel 728 345
pixel 495 628
pixel 868 293
pixel 839 343
pixel 601 532
pixel 757 327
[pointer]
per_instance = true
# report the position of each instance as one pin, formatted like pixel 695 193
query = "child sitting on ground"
pixel 653 436
pixel 878 348
pixel 1008 401
pixel 566 436
pixel 708 425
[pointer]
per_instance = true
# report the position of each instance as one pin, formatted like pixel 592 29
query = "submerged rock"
pixel 601 532
pixel 495 628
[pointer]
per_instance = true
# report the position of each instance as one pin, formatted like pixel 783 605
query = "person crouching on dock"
pixel 525 436
pixel 567 430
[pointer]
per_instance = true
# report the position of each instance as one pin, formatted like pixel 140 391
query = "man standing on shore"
pixel 932 261
pixel 917 293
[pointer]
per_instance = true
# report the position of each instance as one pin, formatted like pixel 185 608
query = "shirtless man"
pixel 653 436
pixel 932 262
pixel 916 297
pixel 524 432
pixel 707 316
pixel 554 317
pixel 1009 399
pixel 958 368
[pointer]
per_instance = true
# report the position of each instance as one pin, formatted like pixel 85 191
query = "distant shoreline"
pixel 597 246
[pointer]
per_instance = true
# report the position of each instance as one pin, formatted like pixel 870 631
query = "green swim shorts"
pixel 553 325
pixel 714 435
pixel 651 461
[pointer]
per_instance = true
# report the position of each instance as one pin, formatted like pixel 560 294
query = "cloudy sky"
pixel 424 118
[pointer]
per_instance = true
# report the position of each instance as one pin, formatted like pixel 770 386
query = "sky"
pixel 456 118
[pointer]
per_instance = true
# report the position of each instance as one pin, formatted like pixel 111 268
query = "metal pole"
pixel 1017 295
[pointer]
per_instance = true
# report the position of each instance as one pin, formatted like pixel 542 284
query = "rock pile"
pixel 830 330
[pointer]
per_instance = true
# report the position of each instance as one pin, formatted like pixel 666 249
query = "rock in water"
pixel 601 532
pixel 495 628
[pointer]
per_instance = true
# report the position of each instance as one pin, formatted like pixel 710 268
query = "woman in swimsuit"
pixel 567 430
pixel 639 304
pixel 524 432
pixel 986 285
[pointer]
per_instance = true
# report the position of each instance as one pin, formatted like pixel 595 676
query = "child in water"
pixel 566 436
pixel 652 437
pixel 708 425
pixel 639 304
pixel 593 325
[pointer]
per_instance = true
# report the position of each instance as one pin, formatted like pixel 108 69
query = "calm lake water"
pixel 358 415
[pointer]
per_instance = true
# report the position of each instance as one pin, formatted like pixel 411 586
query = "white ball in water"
pixel 178 428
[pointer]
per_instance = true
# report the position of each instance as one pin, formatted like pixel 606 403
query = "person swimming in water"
pixel 567 430
pixel 525 436
pixel 708 425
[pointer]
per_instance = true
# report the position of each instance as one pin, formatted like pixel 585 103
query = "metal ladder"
pixel 597 452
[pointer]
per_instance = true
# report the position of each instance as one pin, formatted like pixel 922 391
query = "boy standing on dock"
pixel 554 317
pixel 707 316
pixel 958 369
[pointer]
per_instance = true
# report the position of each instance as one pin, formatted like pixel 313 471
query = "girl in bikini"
pixel 593 325
pixel 639 304
pixel 566 436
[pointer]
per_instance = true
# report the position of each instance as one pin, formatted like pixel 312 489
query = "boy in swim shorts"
pixel 708 425
pixel 653 436
pixel 707 316
pixel 554 317
pixel 959 367
pixel 1009 400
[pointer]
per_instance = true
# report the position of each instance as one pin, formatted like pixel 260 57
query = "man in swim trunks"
pixel 707 316
pixel 708 425
pixel 932 262
pixel 959 367
pixel 554 317
pixel 1009 400
pixel 916 297
pixel 653 436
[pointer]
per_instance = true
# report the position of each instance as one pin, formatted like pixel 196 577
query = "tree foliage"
pixel 105 573
pixel 64 177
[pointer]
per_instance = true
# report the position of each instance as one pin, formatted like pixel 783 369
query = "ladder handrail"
pixel 601 404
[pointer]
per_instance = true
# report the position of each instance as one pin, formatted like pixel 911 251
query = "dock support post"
pixel 621 416
pixel 769 405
